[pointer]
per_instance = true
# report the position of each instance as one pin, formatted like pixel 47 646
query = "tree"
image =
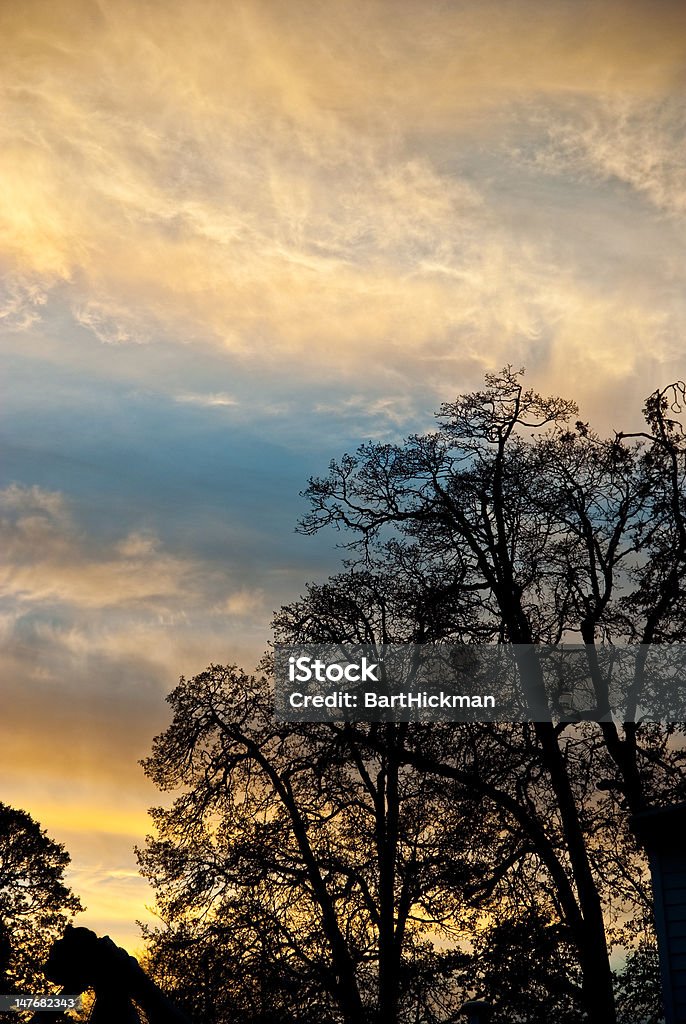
pixel 504 525
pixel 480 846
pixel 559 532
pixel 35 903
pixel 326 860
pixel 315 856
pixel 638 987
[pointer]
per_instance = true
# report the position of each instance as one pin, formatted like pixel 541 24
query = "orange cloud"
pixel 288 182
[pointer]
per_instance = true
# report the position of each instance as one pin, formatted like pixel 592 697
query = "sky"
pixel 240 238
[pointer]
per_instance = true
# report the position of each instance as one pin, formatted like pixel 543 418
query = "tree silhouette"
pixel 490 842
pixel 332 865
pixel 35 903
pixel 337 851
pixel 330 858
pixel 560 532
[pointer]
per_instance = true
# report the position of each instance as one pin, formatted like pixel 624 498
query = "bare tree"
pixel 559 532
pixel 336 844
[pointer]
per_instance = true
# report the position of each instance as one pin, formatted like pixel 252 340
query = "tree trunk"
pixel 387 841
pixel 597 991
pixel 598 995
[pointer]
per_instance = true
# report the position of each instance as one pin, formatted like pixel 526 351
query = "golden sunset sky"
pixel 236 240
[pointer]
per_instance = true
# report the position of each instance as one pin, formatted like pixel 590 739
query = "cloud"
pixel 94 631
pixel 33 500
pixel 41 565
pixel 112 323
pixel 47 561
pixel 283 183
pixel 85 620
pixel 20 303
pixel 208 401
pixel 245 603
pixel 638 141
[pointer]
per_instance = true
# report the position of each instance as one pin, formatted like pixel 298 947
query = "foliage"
pixel 527 964
pixel 35 903
pixel 639 994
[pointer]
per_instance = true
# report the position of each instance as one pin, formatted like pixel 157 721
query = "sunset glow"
pixel 236 240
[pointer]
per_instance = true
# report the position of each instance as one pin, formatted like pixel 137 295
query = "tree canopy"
pixel 35 902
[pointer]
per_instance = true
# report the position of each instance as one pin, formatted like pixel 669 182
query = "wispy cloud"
pixel 21 302
pixel 637 141
pixel 208 401
pixel 335 198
